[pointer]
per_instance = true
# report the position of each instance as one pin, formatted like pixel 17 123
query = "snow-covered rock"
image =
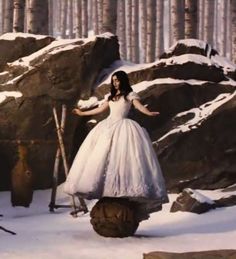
pixel 61 72
pixel 194 135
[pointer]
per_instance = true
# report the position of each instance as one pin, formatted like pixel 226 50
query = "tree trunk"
pixel 37 22
pixel 50 17
pixel 78 19
pixel 159 28
pixel 191 19
pixel 233 22
pixel 128 28
pixel 64 13
pixel 209 21
pixel 109 15
pixel 223 23
pixel 121 28
pixel 151 30
pixel 95 17
pixel 100 15
pixel 177 20
pixel 1 18
pixel 135 33
pixel 143 25
pixel 229 34
pixel 18 15
pixel 84 18
pixel 8 16
pixel 201 14
pixel 71 14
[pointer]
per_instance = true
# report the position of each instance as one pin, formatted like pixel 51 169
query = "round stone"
pixel 114 217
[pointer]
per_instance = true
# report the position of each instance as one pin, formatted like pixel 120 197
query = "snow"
pixel 13 36
pixel 200 114
pixel 58 235
pixel 188 42
pixel 223 62
pixel 185 58
pixel 199 196
pixel 5 94
pixel 146 84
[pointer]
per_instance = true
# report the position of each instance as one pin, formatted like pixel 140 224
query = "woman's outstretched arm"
pixel 137 104
pixel 95 111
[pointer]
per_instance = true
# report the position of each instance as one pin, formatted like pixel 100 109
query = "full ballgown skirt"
pixel 117 160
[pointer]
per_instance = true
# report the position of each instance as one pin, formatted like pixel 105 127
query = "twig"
pixel 8 231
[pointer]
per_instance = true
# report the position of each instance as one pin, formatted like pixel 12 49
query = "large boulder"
pixel 194 136
pixel 62 72
pixel 16 45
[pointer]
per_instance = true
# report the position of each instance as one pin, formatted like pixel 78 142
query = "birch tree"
pixel 50 17
pixel 109 15
pixel 71 14
pixel 223 23
pixel 151 29
pixel 209 21
pixel 18 15
pixel 128 28
pixel 233 22
pixel 1 19
pixel 100 15
pixel 64 13
pixel 159 28
pixel 177 20
pixel 201 12
pixel 95 17
pixel 135 32
pixel 7 15
pixel 121 28
pixel 37 20
pixel 78 19
pixel 191 19
pixel 229 34
pixel 143 26
pixel 84 14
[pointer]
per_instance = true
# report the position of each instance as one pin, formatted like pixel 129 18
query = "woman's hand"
pixel 137 104
pixel 77 111
pixel 154 113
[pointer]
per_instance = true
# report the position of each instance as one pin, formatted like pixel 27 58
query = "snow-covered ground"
pixel 41 234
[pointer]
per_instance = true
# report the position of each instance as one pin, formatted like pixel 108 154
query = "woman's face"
pixel 116 82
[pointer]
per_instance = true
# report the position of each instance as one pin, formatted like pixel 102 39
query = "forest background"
pixel 144 27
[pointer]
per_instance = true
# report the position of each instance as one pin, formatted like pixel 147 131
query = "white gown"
pixel 117 160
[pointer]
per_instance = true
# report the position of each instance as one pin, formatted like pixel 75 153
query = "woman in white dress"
pixel 117 158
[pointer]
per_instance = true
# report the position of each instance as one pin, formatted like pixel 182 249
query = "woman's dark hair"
pixel 125 87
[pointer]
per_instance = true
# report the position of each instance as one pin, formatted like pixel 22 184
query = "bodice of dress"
pixel 119 109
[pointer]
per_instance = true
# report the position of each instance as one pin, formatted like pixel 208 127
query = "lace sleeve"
pixel 132 96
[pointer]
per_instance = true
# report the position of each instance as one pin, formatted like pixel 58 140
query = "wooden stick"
pixel 57 163
pixel 63 154
pixel 8 231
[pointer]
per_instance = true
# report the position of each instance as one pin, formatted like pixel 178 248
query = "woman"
pixel 117 158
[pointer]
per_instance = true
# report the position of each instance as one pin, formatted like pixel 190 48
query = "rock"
pixel 192 201
pixel 17 45
pixel 62 72
pixel 114 217
pixel 229 254
pixel 226 201
pixel 194 136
